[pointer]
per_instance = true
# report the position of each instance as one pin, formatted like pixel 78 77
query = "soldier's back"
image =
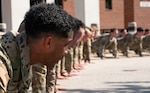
pixel 146 42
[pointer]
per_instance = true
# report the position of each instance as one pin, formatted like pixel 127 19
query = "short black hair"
pixel 140 29
pixel 77 24
pixel 146 30
pixel 122 30
pixel 47 18
pixel 112 30
pixel 35 2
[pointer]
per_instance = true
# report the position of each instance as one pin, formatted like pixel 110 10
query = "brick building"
pixel 12 11
pixel 141 12
pixel 106 14
pixel 69 6
pixel 118 13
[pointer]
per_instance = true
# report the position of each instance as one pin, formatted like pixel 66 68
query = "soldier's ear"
pixel 48 41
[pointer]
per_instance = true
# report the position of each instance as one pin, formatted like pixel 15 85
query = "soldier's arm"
pixel 5 65
pixel 9 45
pixel 4 76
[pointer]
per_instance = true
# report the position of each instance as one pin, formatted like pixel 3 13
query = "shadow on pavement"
pixel 121 87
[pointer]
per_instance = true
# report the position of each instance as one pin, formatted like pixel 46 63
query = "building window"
pixel 108 4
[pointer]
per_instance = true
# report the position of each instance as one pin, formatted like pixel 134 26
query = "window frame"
pixel 108 4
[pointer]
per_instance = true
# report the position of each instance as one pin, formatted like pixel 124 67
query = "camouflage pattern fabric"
pixel 105 42
pixel 9 44
pixel 87 50
pixel 69 60
pixel 95 45
pixel 120 43
pixel 146 42
pixel 125 43
pixel 39 72
pixel 62 64
pixel 80 50
pixel 16 46
pixel 58 67
pixel 6 72
pixel 77 53
pixel 51 80
pixel 5 68
pixel 137 45
pixel 130 42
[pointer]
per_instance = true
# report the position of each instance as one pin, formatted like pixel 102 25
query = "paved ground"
pixel 123 75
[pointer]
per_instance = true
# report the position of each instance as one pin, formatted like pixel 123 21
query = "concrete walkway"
pixel 123 75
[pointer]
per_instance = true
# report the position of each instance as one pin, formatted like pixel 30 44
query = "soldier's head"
pixel 35 2
pixel 147 32
pixel 140 31
pixel 48 28
pixel 88 34
pixel 114 32
pixel 123 32
pixel 79 29
pixel 94 29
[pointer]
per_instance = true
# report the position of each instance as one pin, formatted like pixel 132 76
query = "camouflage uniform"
pixel 80 50
pixel 125 43
pixel 130 42
pixel 87 50
pixel 77 53
pixel 51 80
pixel 39 72
pixel 105 42
pixel 137 45
pixel 16 46
pixel 69 60
pixel 146 42
pixel 6 70
pixel 95 45
pixel 120 43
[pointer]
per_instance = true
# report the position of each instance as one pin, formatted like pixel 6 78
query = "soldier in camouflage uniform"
pixel 74 55
pixel 47 33
pixel 106 41
pixel 146 42
pixel 120 39
pixel 124 43
pixel 69 61
pixel 87 45
pixel 146 32
pixel 133 42
pixel 137 43
pixel 78 28
pixel 77 55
